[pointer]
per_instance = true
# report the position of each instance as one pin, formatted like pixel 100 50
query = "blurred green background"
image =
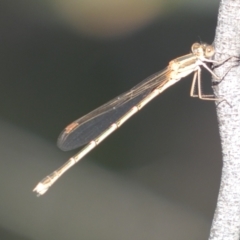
pixel 61 59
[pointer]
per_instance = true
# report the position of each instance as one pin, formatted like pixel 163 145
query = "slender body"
pixel 94 127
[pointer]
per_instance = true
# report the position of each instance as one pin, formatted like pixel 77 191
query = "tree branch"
pixel 226 222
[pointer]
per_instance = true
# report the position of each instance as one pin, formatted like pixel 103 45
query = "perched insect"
pixel 94 127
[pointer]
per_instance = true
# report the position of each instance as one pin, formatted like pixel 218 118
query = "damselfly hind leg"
pixel 196 84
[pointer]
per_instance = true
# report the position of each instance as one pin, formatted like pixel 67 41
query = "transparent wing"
pixel 88 127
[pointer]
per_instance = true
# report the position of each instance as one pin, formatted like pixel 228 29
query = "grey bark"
pixel 226 222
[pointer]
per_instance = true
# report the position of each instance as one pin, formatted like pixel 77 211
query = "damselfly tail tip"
pixel 40 189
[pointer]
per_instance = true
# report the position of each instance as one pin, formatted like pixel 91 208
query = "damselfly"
pixel 94 127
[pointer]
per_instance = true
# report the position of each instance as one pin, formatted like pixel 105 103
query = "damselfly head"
pixel 203 50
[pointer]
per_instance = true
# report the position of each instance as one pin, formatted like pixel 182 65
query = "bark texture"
pixel 226 222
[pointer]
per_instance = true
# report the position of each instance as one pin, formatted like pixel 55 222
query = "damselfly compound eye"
pixel 195 47
pixel 209 51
